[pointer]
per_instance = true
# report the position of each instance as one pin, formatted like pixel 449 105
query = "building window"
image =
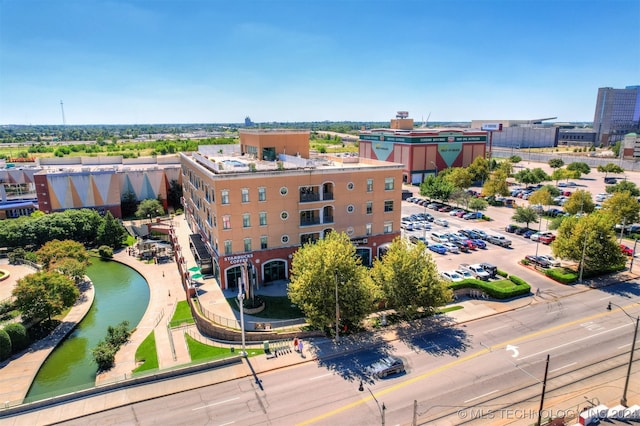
pixel 369 185
pixel 284 239
pixel 262 194
pixel 284 191
pixel 247 244
pixel 350 230
pixel 388 206
pixel 246 220
pixel 263 218
pixel 388 227
pixel 226 222
pixel 368 228
pixel 284 215
pixel 227 247
pixel 225 197
pixel 350 208
pixel 369 207
pixel 245 195
pixel 215 221
pixel 263 242
pixel 388 184
pixel 350 186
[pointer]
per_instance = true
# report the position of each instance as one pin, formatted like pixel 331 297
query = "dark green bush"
pixel 18 335
pixel 5 345
pixel 525 262
pixel 517 280
pixel 563 275
pixel 503 289
pixel 502 273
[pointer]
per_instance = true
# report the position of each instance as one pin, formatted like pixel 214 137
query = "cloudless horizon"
pixel 169 61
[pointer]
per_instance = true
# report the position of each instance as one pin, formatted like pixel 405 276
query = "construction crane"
pixel 424 123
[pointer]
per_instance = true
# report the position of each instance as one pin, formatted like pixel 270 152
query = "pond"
pixel 121 294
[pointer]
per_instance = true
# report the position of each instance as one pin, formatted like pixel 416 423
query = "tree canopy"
pixel 579 166
pixel 525 215
pixel 580 202
pixel 409 278
pixel 610 168
pixel 317 268
pixel 459 177
pixel 624 185
pixel 111 232
pixel 44 294
pixel 556 163
pixel 622 207
pixel 497 184
pixel 542 196
pixel 149 208
pixel 479 169
pixel 436 188
pixel 54 251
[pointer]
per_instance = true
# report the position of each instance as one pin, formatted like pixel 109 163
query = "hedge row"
pixel 503 289
pixel 13 339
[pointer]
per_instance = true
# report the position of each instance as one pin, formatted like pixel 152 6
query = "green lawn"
pixel 200 351
pixel 276 308
pixel 146 353
pixel 182 314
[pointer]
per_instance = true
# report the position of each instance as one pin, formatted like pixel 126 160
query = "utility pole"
pixel 64 121
pixel 544 387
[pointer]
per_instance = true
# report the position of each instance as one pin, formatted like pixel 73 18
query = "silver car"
pixel 386 366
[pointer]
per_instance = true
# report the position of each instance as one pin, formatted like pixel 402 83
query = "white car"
pixel 552 260
pixel 451 276
pixel 441 222
pixel 464 274
pixel 451 248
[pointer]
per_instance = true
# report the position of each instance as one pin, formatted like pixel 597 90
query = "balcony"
pixel 309 197
pixel 309 222
pixel 328 219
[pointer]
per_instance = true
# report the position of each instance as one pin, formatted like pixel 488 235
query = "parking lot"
pixel 506 259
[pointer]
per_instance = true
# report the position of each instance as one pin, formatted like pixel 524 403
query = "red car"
pixel 547 238
pixel 626 250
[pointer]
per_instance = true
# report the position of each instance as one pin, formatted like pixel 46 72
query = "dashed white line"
pixel 486 394
pixel 560 368
pixel 215 403
pixel 320 377
pixel 497 328
pixel 624 346
pixel 607 297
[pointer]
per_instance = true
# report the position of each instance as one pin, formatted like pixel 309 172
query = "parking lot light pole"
pixel 623 400
pixel 538 240
pixel 337 310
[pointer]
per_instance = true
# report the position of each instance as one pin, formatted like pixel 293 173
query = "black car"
pixel 492 270
pixel 510 228
pixel 470 234
pixel 521 231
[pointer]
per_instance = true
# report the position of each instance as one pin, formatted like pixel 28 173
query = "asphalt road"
pixel 492 363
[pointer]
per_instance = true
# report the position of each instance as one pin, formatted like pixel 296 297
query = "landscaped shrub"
pixel 503 289
pixel 105 251
pixel 517 280
pixel 104 354
pixel 5 345
pixel 563 275
pixel 18 335
pixel 502 273
pixel 525 262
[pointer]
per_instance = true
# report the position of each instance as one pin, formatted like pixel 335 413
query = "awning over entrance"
pixel 201 254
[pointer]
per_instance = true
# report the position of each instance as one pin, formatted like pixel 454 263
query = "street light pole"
pixel 623 400
pixel 337 310
pixel 381 408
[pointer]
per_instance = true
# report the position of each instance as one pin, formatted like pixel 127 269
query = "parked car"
pixel 451 248
pixel 477 271
pixel 510 228
pixel 492 270
pixel 441 222
pixel 626 250
pixel 439 237
pixel 499 240
pixel 470 215
pixel 454 212
pixel 469 233
pixel 461 245
pixel 483 235
pixel 543 237
pixel 465 273
pixel 452 276
pixel 386 366
pixel 415 240
pixel 538 261
pixel 529 233
pixel 445 209
pixel 521 231
pixel 479 243
pixel 552 260
pixel 438 248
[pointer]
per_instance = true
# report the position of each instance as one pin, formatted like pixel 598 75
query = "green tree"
pixel 478 204
pixel 111 232
pixel 461 197
pixel 622 207
pixel 459 177
pixel 317 268
pixel 128 204
pixel 174 194
pixel 622 186
pixel 515 159
pixel 5 345
pixel 436 188
pixel 479 169
pixel 580 202
pixel 540 175
pixel 149 208
pixel 525 215
pixel 44 294
pixel 579 166
pixel 54 251
pixel 556 163
pixel 409 278
pixel 559 174
pixel 505 166
pixel 72 268
pixel 542 197
pixel 553 190
pixel 616 148
pixel 525 176
pixel 592 235
pixel 610 168
pixel 496 185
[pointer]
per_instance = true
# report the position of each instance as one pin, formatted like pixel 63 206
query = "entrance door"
pixel 275 270
pixel 365 255
pixel 233 276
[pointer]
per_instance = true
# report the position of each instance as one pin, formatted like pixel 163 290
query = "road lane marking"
pixel 497 328
pixel 572 342
pixel 624 346
pixel 456 362
pixel 215 403
pixel 564 366
pixel 480 396
pixel 227 423
pixel 607 297
pixel 320 377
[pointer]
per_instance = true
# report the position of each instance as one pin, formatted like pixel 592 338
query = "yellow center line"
pixel 457 362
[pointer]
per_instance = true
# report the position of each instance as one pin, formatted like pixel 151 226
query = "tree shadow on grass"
pixel 435 335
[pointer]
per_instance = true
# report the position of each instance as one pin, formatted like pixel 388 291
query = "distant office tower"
pixel 617 113
pixel 248 122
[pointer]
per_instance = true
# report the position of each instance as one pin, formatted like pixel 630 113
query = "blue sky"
pixel 166 61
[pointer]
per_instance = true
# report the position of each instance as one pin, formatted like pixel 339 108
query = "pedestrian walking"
pixel 295 344
pixel 300 348
pixel 162 274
